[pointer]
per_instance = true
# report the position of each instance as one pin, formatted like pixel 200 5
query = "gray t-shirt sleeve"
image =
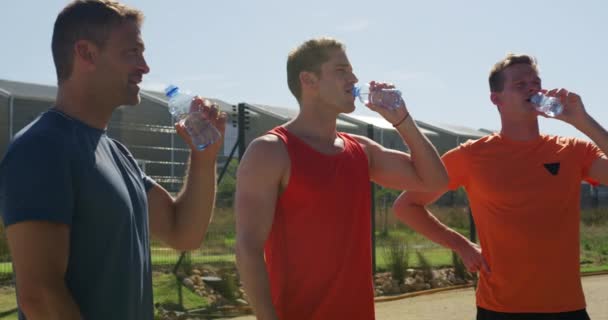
pixel 148 182
pixel 36 182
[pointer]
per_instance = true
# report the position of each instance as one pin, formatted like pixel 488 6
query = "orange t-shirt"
pixel 525 199
pixel 318 252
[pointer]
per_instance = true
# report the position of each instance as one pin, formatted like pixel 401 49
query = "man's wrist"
pixel 398 123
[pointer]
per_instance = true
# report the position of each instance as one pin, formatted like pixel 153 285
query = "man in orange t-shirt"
pixel 524 191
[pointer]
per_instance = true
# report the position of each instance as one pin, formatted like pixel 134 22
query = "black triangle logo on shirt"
pixel 553 168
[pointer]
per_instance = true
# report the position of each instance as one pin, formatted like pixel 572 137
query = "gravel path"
pixel 460 304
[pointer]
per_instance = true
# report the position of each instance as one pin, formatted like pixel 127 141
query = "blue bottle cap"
pixel 171 91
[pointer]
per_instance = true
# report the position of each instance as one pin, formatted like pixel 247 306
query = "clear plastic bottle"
pixel 551 106
pixel 202 132
pixel 385 98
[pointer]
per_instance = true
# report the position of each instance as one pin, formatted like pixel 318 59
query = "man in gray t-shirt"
pixel 78 211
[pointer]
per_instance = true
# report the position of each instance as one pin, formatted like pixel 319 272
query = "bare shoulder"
pixel 366 143
pixel 361 139
pixel 270 146
pixel 266 153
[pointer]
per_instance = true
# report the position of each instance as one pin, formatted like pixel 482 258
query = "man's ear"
pixel 495 98
pixel 308 79
pixel 85 54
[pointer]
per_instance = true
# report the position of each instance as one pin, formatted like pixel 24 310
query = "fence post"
pixel 242 124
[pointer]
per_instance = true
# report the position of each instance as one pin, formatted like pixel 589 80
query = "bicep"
pixel 160 212
pixel 257 191
pixel 40 253
pixel 393 169
pixel 599 170
pixel 419 198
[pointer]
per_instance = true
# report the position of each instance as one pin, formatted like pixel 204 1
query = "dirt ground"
pixel 460 304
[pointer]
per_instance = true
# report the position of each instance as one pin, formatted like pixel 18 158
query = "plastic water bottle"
pixel 385 98
pixel 202 132
pixel 550 106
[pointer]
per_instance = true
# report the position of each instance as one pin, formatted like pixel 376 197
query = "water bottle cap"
pixel 171 91
pixel 356 91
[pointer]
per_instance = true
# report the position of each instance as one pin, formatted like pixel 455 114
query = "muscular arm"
pixel 421 171
pixel 575 114
pixel 40 256
pixel 259 180
pixel 182 222
pixel 599 136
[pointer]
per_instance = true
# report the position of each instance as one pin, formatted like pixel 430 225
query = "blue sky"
pixel 437 52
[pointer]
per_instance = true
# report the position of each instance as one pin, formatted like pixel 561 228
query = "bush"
pixel 397 257
pixel 596 216
pixel 425 266
pixel 460 270
pixel 228 286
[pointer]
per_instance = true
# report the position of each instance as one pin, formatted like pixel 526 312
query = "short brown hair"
pixel 86 20
pixel 496 78
pixel 309 56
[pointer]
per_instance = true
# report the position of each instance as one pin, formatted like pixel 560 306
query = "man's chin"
pixel 133 101
pixel 349 109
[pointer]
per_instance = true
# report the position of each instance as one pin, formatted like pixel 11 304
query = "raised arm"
pixel 40 250
pixel 575 113
pixel 421 170
pixel 182 222
pixel 261 176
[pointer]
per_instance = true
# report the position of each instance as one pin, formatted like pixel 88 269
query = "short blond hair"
pixel 309 56
pixel 496 79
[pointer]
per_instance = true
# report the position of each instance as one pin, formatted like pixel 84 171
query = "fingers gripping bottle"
pixel 200 129
pixel 551 106
pixel 385 98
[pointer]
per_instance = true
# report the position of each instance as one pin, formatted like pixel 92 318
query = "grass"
pixel 164 289
pixel 165 292
pixel 7 303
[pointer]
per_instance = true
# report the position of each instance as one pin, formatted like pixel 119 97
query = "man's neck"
pixel 520 129
pixel 313 123
pixel 82 104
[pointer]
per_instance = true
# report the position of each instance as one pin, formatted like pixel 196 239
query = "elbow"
pixel 35 302
pixel 246 251
pixel 439 181
pixel 403 207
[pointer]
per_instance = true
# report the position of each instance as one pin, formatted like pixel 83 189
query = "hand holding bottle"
pixel 573 110
pixel 198 121
pixel 384 99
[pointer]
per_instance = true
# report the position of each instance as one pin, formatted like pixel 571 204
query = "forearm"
pixel 424 156
pixel 424 222
pixel 194 205
pixel 254 276
pixel 595 132
pixel 49 304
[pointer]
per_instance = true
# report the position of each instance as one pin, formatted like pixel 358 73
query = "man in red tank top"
pixel 303 195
